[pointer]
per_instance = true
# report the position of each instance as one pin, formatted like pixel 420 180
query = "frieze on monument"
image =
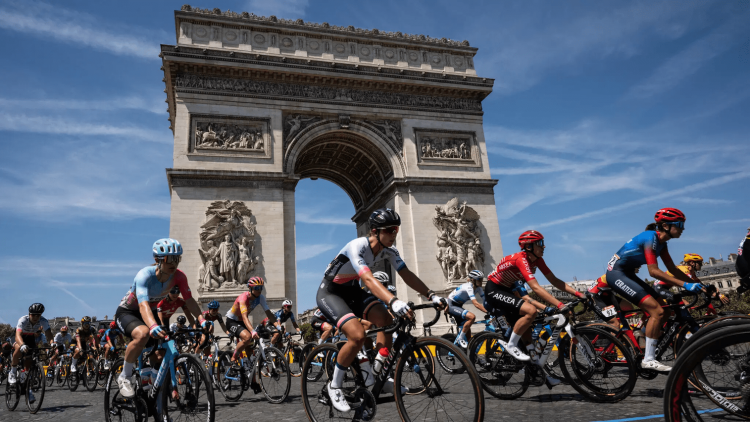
pixel 230 135
pixel 459 247
pixel 445 147
pixel 228 247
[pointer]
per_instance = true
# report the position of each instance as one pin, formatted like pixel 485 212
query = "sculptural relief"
pixel 459 246
pixel 228 245
pixel 446 147
pixel 439 147
pixel 227 136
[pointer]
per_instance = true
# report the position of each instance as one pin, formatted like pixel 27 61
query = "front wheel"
pixel 501 374
pixel 35 387
pixel 457 391
pixel 194 392
pixel 274 376
pixel 73 379
pixel 91 374
pixel 230 377
pixel 49 375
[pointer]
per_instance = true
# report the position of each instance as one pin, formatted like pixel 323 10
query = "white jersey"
pixel 357 258
pixel 63 340
pixel 28 329
pixel 466 292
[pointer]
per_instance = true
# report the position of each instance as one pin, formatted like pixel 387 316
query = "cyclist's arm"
pixel 49 335
pixel 188 315
pixel 478 305
pixel 194 309
pixel 678 279
pixel 161 316
pixel 375 287
pixel 248 325
pixel 272 319
pixel 542 293
pixel 411 280
pixel 561 285
pixel 146 314
pixel 223 327
pixel 19 339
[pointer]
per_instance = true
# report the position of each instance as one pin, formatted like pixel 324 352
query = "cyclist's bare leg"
pixel 466 330
pixel 327 331
pixel 527 312
pixel 139 338
pixel 355 334
pixel 380 316
pixel 245 339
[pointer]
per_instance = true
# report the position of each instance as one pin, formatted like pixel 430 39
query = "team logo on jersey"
pixel 630 292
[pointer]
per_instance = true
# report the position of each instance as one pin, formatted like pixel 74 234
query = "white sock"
pixel 127 370
pixel 14 370
pixel 338 376
pixel 73 364
pixel 650 349
pixel 320 340
pixel 514 338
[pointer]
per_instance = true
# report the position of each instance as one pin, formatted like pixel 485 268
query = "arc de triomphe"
pixel 256 104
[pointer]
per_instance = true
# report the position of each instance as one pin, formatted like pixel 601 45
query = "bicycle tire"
pixel 193 379
pixel 12 395
pixel 275 368
pixel 678 405
pixel 466 387
pixel 318 361
pixel 101 374
pixel 231 378
pixel 90 375
pixel 499 373
pixel 294 358
pixel 73 379
pixel 118 408
pixel 611 357
pixel 35 383
pixel 49 376
pixel 314 393
pixel 415 362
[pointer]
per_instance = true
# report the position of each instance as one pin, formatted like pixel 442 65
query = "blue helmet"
pixel 213 304
pixel 167 247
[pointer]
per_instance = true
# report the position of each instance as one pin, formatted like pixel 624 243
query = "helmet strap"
pixel 530 251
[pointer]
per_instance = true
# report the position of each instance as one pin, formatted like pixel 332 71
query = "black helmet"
pixel 384 217
pixel 181 319
pixel 36 308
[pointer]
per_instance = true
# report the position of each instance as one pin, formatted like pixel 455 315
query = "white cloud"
pixel 63 126
pixel 704 201
pixel 153 105
pixel 733 221
pixel 310 251
pixel 287 9
pixel 40 267
pixel 313 219
pixel 56 23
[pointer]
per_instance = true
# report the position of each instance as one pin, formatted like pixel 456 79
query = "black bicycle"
pixel 29 383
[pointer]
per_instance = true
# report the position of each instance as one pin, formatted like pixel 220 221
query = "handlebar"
pixel 400 322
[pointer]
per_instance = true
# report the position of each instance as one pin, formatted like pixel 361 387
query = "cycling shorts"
pixel 630 287
pixel 340 302
pixel 602 300
pixel 128 320
pixel 318 323
pixel 456 312
pixel 501 299
pixel 235 327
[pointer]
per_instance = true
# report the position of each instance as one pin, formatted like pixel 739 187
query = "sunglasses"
pixel 256 288
pixel 679 224
pixel 173 259
pixel 540 243
pixel 391 230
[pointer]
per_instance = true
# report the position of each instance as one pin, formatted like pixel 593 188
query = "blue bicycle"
pixel 180 390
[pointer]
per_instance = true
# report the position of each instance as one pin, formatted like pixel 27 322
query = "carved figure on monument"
pixel 237 136
pixel 229 264
pixel 445 148
pixel 390 128
pixel 459 248
pixel 297 123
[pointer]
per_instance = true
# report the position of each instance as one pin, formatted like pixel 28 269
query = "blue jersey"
pixel 282 317
pixel 147 288
pixel 640 250
pixel 112 334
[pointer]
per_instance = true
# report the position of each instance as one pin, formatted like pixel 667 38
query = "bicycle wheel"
pixel 36 385
pixel 12 395
pixel 678 404
pixel 3 374
pixel 101 374
pixel 445 357
pixel 315 397
pixel 295 360
pixel 600 367
pixel 318 362
pixel 275 378
pixel 195 392
pixel 49 375
pixel 118 408
pixel 501 375
pixel 230 377
pixel 73 379
pixel 454 395
pixel 91 374
pixel 416 362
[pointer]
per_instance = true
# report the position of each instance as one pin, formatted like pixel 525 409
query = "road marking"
pixel 643 418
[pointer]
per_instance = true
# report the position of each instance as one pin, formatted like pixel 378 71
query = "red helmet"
pixel 112 324
pixel 528 237
pixel 669 215
pixel 101 331
pixel 255 281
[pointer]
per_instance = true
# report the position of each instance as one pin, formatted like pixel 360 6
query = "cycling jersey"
pixel 356 258
pixel 244 304
pixel 685 269
pixel 112 334
pixel 28 329
pixel 516 267
pixel 147 288
pixel 85 334
pixel 208 317
pixel 742 264
pixel 282 317
pixel 168 308
pixel 598 284
pixel 640 250
pixel 466 292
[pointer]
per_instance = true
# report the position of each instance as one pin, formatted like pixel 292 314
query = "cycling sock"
pixel 514 338
pixel 650 349
pixel 127 370
pixel 73 363
pixel 14 370
pixel 338 376
pixel 320 340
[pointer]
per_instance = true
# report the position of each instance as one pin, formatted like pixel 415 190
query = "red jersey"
pixel 516 267
pixel 208 317
pixel 169 308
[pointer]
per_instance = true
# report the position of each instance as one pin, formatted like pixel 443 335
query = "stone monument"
pixel 258 103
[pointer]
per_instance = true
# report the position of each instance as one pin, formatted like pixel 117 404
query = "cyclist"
pixel 179 325
pixel 211 315
pixel 342 301
pixel 644 248
pixel 320 323
pixel 5 351
pixel 742 264
pixel 62 342
pixel 109 340
pixel 170 304
pixel 238 320
pixel 463 293
pixel 520 267
pixel 282 315
pixel 136 315
pixel 25 339
pixel 85 335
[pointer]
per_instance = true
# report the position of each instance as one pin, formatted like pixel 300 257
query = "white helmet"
pixel 286 303
pixel 382 277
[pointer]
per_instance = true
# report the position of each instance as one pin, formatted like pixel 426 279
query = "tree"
pixel 6 330
pixel 308 332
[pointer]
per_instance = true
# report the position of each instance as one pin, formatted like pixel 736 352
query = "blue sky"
pixel 602 113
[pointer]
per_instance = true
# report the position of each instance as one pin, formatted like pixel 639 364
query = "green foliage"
pixel 6 330
pixel 308 332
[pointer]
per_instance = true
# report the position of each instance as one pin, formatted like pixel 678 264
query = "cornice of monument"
pixel 299 25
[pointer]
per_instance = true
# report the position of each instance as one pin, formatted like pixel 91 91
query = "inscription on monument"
pixel 459 249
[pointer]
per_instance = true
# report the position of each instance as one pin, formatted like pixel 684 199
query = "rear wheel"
pixel 12 395
pixel 91 374
pixel 35 384
pixel 230 377
pixel 501 375
pixel 274 376
pixel 49 375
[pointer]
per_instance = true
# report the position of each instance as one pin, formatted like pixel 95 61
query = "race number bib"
pixel 611 263
pixel 609 311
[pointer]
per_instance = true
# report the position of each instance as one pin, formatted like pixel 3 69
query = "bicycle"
pixel 101 371
pixel 87 364
pixel 180 390
pixel 29 383
pixel 411 362
pixel 293 353
pixel 268 362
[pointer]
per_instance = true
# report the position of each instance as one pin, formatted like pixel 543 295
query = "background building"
pixel 720 273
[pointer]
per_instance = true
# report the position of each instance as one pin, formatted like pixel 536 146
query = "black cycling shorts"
pixel 235 327
pixel 341 302
pixel 128 320
pixel 457 312
pixel 500 299
pixel 317 323
pixel 630 287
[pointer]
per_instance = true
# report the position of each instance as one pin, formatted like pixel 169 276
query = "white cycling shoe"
pixel 388 387
pixel 337 399
pixel 461 342
pixel 11 378
pixel 126 387
pixel 655 365
pixel 514 351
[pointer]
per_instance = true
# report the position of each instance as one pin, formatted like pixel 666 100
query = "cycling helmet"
pixel 693 257
pixel 384 217
pixel 181 319
pixel 392 289
pixel 669 215
pixel 64 328
pixel 102 330
pixel 529 237
pixel 112 324
pixel 86 320
pixel 255 281
pixel 286 303
pixel 36 308
pixel 382 277
pixel 167 247
pixel 213 304
pixel 476 275
pixel 175 290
